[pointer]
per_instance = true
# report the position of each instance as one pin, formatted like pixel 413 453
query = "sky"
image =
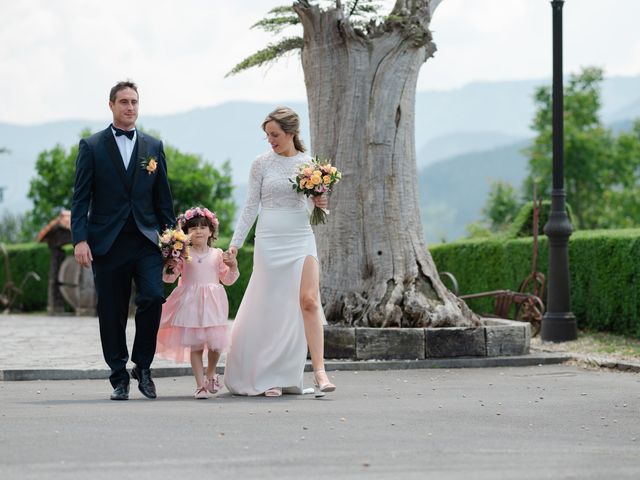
pixel 58 59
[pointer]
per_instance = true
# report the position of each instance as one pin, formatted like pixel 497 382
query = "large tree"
pixel 602 168
pixel 588 145
pixel 360 73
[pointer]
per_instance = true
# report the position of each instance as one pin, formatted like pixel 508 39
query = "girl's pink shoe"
pixel 201 393
pixel 214 385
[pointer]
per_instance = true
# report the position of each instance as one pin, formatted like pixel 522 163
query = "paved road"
pixel 545 422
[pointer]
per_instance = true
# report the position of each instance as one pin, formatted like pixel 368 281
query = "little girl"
pixel 194 317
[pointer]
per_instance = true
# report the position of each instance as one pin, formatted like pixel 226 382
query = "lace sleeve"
pixel 251 204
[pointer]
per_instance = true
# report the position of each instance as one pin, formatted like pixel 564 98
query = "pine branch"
pixel 281 18
pixel 267 55
pixel 276 25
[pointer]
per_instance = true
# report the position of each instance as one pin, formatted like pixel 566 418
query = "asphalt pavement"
pixel 541 421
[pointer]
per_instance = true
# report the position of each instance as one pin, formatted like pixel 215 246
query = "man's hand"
pixel 82 253
pixel 320 201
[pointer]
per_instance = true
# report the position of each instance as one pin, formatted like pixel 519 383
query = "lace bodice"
pixel 270 187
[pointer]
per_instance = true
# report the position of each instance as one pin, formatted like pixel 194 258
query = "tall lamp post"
pixel 558 324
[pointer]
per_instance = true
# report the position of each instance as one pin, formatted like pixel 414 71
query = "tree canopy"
pixel 602 168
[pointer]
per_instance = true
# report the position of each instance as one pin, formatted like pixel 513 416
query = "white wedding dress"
pixel 268 345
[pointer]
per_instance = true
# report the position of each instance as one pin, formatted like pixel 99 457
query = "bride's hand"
pixel 233 251
pixel 320 201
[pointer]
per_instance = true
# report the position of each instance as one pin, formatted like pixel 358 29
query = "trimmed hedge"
pixel 24 258
pixel 35 256
pixel 604 269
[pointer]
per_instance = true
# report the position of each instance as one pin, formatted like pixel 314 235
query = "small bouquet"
pixel 174 244
pixel 314 179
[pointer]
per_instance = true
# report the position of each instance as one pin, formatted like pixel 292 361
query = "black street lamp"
pixel 558 324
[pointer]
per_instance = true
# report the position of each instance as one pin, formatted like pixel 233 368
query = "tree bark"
pixel 376 269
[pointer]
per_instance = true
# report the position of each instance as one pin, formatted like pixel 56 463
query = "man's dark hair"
pixel 121 86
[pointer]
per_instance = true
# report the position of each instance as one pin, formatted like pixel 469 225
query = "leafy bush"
pixel 604 272
pixel 23 258
pixel 522 225
pixel 604 267
pixel 35 257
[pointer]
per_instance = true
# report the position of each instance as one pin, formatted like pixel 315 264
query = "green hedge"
pixel 35 257
pixel 604 268
pixel 24 258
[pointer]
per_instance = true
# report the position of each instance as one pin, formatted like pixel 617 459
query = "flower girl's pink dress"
pixel 196 313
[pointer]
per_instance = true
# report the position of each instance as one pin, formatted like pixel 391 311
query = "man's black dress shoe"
pixel 145 384
pixel 121 392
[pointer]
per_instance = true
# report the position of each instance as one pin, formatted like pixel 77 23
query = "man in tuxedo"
pixel 121 201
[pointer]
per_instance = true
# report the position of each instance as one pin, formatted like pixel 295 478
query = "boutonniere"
pixel 149 164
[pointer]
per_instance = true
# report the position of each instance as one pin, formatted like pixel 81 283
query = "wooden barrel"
pixel 77 288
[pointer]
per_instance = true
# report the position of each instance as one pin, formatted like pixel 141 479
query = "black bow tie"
pixel 128 133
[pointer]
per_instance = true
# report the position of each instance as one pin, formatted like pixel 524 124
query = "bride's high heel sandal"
pixel 273 392
pixel 324 387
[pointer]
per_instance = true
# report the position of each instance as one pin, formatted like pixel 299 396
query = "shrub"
pixel 604 268
pixel 23 258
pixel 35 257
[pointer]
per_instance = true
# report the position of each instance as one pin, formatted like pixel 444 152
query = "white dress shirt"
pixel 125 146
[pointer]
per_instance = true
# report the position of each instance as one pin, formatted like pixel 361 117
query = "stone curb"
pixel 330 365
pixel 496 337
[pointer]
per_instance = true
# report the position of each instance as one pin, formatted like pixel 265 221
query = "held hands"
pixel 229 258
pixel 82 253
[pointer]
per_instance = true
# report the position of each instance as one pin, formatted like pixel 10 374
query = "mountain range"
pixel 465 138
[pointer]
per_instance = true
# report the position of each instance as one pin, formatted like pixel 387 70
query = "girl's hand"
pixel 230 261
pixel 171 263
pixel 233 251
pixel 321 201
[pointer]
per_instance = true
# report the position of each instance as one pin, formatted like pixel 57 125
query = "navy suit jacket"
pixel 105 195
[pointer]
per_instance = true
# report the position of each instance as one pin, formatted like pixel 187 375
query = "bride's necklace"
pixel 198 257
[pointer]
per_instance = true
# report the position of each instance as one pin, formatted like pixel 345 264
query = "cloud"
pixel 60 58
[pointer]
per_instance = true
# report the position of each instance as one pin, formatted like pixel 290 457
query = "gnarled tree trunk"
pixel 376 269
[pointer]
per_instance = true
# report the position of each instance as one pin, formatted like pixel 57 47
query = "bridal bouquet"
pixel 174 244
pixel 314 179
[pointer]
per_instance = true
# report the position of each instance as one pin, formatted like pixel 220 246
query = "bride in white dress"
pixel 281 305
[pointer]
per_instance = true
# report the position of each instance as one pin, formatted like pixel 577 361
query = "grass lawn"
pixel 596 344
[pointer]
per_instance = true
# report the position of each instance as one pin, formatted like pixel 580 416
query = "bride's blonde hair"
pixel 289 122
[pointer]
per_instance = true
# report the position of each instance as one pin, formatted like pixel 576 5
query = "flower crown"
pixel 198 212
